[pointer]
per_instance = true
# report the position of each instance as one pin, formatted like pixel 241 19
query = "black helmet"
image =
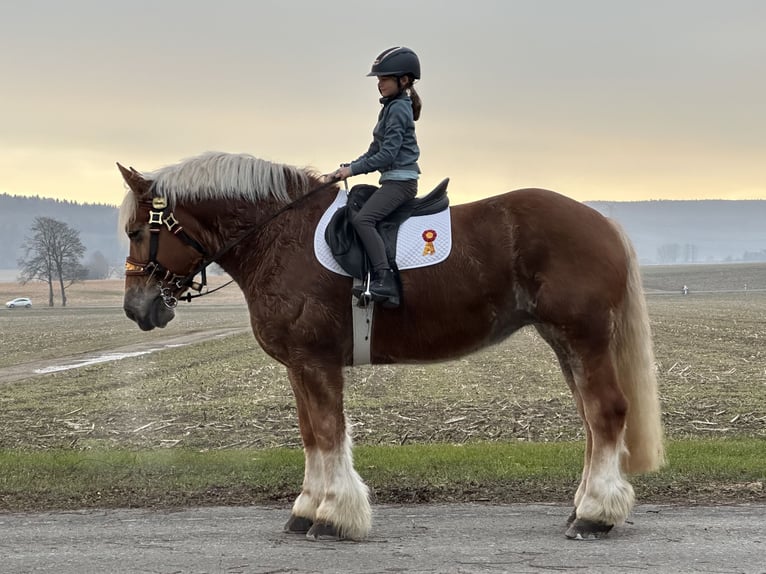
pixel 398 61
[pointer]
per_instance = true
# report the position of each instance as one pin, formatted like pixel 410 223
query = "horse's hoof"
pixel 582 529
pixel 323 531
pixel 572 516
pixel 298 524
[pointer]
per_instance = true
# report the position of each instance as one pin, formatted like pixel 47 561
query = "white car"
pixel 19 302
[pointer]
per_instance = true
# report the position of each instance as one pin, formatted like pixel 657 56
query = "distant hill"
pixel 667 232
pixel 703 231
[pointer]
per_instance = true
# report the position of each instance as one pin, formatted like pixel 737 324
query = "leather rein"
pixel 160 214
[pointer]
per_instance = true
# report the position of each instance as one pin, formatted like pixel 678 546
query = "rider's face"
pixel 388 86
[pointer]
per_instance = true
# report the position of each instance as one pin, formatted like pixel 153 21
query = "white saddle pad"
pixel 423 240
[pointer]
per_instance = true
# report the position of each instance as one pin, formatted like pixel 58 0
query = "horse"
pixel 525 257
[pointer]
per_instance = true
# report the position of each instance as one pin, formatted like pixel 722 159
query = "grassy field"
pixel 144 424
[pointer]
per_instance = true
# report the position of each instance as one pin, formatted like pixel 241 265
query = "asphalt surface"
pixel 456 538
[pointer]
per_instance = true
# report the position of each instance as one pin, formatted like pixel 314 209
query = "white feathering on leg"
pixel 346 504
pixel 313 490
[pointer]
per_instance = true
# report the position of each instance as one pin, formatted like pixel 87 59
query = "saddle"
pixel 345 245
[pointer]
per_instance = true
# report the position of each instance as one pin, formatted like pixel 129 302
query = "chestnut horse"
pixel 526 257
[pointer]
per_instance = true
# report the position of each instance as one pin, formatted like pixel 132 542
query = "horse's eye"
pixel 134 234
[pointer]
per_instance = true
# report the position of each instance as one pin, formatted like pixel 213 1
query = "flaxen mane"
pixel 215 175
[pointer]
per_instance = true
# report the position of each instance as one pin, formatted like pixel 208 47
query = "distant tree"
pixel 52 254
pixel 98 266
pixel 690 253
pixel 668 252
pixel 754 255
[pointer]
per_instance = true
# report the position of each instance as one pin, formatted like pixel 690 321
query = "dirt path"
pixel 47 366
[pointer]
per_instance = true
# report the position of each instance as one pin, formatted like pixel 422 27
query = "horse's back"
pixel 566 258
pixel 544 226
pixel 546 219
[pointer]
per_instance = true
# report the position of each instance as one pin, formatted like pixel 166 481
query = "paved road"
pixel 459 538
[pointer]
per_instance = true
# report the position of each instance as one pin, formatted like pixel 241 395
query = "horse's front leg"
pixel 305 506
pixel 334 498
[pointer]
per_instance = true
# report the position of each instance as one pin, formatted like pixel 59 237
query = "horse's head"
pixel 163 257
pixel 173 216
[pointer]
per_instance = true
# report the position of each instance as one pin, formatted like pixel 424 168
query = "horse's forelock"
pixel 127 213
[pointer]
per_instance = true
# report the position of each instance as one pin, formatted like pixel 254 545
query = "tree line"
pixel 97 224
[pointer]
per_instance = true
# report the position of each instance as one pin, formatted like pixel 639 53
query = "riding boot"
pixel 384 288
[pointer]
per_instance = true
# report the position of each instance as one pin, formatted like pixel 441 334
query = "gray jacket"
pixel 394 147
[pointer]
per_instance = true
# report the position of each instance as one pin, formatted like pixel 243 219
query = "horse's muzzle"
pixel 148 314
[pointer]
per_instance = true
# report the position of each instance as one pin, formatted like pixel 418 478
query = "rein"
pixel 164 216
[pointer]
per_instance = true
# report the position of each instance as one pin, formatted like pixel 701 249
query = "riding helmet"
pixel 398 61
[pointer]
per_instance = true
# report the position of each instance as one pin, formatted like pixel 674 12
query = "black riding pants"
pixel 387 198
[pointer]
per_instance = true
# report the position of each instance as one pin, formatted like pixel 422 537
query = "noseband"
pixel 168 281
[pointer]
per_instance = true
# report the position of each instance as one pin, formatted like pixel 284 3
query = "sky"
pixel 597 99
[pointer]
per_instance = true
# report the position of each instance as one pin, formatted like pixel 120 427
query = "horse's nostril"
pixel 130 314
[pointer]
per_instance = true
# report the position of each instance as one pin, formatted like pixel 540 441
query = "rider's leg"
pixel 392 194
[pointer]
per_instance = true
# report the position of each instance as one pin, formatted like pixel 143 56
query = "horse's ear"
pixel 135 180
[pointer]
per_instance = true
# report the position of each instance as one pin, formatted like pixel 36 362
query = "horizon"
pixel 597 100
pixel 586 201
pixel 699 230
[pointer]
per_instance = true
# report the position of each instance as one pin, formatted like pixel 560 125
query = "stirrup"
pixel 362 292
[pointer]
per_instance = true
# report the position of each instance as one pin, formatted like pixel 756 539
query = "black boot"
pixel 384 288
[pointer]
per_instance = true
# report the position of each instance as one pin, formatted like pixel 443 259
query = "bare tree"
pixel 52 254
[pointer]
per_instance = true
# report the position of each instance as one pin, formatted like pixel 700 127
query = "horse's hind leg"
pixel 334 498
pixel 582 487
pixel 607 497
pixel 565 358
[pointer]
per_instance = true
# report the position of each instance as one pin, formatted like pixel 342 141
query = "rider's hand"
pixel 343 172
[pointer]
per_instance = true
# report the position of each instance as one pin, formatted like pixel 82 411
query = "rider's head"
pixel 398 62
pixel 402 64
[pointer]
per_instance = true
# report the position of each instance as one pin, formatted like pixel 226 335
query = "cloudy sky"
pixel 609 99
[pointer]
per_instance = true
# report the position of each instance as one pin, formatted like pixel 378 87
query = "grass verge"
pixel 698 472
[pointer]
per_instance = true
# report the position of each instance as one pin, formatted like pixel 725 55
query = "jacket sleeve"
pixel 370 151
pixel 398 117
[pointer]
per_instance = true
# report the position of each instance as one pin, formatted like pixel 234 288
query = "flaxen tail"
pixel 636 371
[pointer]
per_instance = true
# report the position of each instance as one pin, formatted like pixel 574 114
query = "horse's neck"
pixel 265 233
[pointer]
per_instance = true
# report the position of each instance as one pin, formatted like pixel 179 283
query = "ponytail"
pixel 416 103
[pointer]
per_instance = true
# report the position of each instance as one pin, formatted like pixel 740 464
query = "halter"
pixel 168 281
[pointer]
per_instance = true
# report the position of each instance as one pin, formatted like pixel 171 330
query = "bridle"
pixel 169 282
